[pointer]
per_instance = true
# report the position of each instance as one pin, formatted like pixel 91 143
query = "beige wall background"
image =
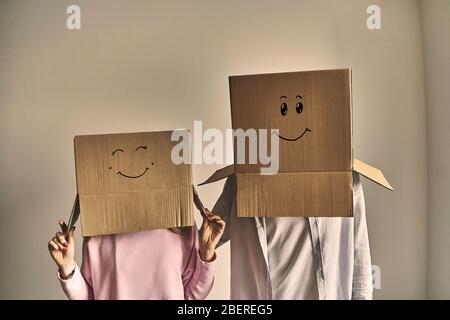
pixel 154 65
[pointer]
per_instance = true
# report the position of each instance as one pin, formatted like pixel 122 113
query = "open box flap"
pixel 219 175
pixel 359 166
pixel 371 173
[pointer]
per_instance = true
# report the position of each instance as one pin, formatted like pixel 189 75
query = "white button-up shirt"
pixel 340 251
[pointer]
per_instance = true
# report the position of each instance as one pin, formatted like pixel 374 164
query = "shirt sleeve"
pixel 223 207
pixel 198 276
pixel 362 273
pixel 78 286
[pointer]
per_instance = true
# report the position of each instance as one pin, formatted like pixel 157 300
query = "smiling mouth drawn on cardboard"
pixel 126 175
pixel 294 139
pixel 298 108
pixel 132 177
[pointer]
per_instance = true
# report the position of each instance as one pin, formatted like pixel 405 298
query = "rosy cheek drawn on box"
pixel 125 175
pixel 284 112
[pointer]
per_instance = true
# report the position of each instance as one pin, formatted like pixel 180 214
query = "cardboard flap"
pixel 219 175
pixel 371 173
pixel 299 194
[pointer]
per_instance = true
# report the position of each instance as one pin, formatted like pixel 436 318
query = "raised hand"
pixel 62 250
pixel 210 233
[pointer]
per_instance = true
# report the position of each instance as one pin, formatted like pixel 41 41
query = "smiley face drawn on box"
pixel 141 151
pixel 126 162
pixel 127 182
pixel 311 110
pixel 284 108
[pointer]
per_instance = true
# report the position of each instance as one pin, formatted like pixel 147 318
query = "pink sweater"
pixel 155 264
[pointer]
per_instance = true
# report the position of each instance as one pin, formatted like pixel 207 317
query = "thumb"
pixel 205 223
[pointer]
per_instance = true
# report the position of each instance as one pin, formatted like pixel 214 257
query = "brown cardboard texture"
pixel 128 182
pixel 359 166
pixel 362 168
pixel 371 173
pixel 313 112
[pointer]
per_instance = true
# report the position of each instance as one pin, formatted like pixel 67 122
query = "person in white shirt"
pixel 297 258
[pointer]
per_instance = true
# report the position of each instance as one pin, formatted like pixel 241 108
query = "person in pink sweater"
pixel 154 264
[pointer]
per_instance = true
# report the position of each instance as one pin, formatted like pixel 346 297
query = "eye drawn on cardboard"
pixel 127 182
pixel 298 109
pixel 312 111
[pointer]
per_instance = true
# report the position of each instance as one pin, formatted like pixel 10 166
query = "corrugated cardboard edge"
pixel 371 173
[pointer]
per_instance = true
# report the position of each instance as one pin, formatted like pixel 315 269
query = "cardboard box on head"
pixel 128 182
pixel 313 112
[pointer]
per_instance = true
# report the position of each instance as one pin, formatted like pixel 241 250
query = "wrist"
pixel 67 269
pixel 207 254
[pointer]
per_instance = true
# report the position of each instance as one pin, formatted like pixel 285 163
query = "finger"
pixel 221 223
pixel 208 212
pixel 52 246
pixel 219 229
pixel 205 222
pixel 59 244
pixel 217 220
pixel 204 214
pixel 63 226
pixel 214 217
pixel 62 239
